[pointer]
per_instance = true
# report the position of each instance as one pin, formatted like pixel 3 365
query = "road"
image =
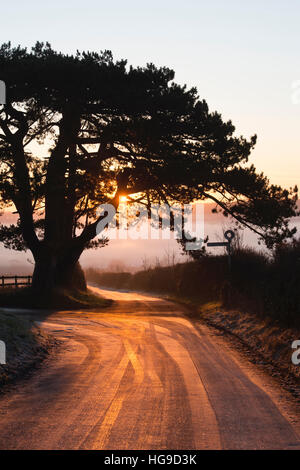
pixel 140 375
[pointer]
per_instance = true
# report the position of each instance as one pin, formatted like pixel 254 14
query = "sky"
pixel 243 57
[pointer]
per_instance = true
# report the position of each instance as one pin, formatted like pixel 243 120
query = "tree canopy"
pixel 81 130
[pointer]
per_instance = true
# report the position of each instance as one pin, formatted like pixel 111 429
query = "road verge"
pixel 26 346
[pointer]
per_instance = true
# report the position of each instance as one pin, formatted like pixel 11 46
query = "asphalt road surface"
pixel 140 375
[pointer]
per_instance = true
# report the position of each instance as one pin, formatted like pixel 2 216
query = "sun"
pixel 123 199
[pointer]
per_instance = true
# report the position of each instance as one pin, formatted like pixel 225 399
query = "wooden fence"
pixel 15 281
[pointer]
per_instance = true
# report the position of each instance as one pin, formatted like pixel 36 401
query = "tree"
pixel 81 130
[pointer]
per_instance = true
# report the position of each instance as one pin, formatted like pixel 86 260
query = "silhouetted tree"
pixel 80 130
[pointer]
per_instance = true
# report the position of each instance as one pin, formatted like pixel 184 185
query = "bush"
pixel 283 287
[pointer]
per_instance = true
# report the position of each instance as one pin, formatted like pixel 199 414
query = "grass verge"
pixel 272 342
pixel 26 347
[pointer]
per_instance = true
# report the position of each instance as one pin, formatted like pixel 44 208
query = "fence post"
pixel 16 281
pixel 2 281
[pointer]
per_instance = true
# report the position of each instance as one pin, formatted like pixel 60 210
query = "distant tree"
pixel 81 130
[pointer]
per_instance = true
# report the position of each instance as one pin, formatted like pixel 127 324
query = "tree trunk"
pixel 51 273
pixel 70 277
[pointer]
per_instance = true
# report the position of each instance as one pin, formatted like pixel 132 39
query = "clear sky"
pixel 243 56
